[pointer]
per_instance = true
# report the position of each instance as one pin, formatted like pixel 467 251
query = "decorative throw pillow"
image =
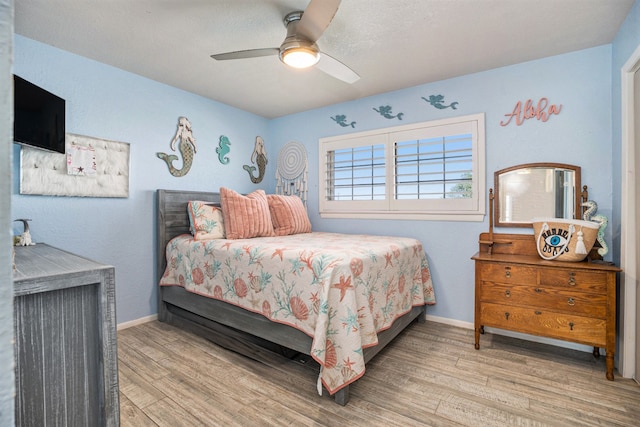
pixel 288 214
pixel 206 220
pixel 245 216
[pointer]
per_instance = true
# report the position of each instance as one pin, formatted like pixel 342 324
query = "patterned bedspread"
pixel 340 289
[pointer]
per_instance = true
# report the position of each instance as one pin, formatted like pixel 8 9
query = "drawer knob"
pixel 507 293
pixel 571 301
pixel 538 290
pixel 507 273
pixel 538 313
pixel 571 326
pixel 572 281
pixel 506 315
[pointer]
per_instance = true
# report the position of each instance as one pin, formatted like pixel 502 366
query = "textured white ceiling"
pixel 391 44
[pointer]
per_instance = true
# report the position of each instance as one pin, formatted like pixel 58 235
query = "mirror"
pixel 532 190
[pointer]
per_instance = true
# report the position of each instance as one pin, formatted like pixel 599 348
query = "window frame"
pixel 465 209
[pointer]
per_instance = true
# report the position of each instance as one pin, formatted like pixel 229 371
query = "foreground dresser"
pixel 517 290
pixel 65 339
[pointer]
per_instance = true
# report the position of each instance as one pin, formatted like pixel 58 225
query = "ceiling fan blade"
pixel 250 53
pixel 337 69
pixel 316 18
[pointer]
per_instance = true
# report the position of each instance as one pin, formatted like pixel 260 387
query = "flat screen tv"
pixel 39 117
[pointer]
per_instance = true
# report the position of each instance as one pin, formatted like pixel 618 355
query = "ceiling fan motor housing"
pixel 299 49
pixel 295 44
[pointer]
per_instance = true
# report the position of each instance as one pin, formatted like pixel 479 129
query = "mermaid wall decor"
pixel 386 112
pixel 259 156
pixel 186 146
pixel 438 102
pixel 341 119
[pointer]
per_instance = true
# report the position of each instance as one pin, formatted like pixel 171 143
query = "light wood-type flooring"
pixel 430 375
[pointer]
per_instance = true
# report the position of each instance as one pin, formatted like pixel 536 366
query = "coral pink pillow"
pixel 288 214
pixel 245 216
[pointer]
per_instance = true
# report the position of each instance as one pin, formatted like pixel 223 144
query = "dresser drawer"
pixel 565 300
pixel 588 281
pixel 507 273
pixel 585 330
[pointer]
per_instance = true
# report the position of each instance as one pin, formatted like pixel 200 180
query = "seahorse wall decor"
pixel 223 149
pixel 589 215
pixel 438 102
pixel 259 156
pixel 385 111
pixel 186 145
pixel 341 119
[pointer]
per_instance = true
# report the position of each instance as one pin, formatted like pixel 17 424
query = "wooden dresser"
pixel 517 290
pixel 65 339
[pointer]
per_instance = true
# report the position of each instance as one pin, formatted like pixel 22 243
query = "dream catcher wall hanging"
pixel 291 173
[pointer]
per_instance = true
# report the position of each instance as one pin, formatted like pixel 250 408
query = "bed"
pixel 291 294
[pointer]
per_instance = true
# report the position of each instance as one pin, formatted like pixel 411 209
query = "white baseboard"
pixel 542 340
pixel 452 322
pixel 136 322
pixel 437 319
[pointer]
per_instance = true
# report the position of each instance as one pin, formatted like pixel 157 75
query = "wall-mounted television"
pixel 39 117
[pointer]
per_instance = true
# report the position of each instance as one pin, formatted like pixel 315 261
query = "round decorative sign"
pixel 292 160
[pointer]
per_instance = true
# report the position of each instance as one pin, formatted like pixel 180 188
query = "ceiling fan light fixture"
pixel 299 48
pixel 300 57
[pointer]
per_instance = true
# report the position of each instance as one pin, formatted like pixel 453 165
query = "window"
pixel 431 170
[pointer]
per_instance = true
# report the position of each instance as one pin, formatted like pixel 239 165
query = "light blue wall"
pixel 106 102
pixel 580 134
pixel 110 103
pixel 624 45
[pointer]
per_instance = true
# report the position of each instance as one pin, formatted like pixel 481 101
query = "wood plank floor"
pixel 429 376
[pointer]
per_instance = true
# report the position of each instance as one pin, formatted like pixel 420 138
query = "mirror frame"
pixel 496 178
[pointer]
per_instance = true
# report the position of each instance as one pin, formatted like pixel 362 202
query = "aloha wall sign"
pixel 542 111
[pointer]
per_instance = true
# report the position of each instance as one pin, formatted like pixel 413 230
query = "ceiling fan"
pixel 299 49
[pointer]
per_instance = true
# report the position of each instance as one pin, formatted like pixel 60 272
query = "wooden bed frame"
pixel 229 326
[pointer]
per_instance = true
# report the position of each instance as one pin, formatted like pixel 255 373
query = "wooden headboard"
pixel 173 220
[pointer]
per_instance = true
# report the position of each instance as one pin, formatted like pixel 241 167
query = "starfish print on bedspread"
pixel 278 252
pixel 343 286
pixel 389 259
